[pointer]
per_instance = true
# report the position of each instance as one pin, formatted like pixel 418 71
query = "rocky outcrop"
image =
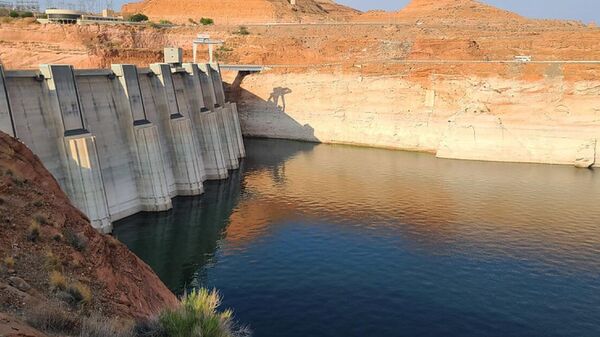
pixel 550 120
pixel 41 232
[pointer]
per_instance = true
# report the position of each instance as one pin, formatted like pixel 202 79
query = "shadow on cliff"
pixel 275 106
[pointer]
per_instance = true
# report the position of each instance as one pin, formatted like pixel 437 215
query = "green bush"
pixel 165 22
pixel 26 14
pixel 138 18
pixel 13 14
pixel 207 21
pixel 199 316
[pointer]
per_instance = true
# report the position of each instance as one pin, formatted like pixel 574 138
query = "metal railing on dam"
pixel 124 140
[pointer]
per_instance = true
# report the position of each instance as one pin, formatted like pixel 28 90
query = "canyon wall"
pixel 533 113
pixel 124 140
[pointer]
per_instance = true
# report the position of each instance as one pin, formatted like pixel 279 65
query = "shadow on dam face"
pixel 190 233
pixel 275 107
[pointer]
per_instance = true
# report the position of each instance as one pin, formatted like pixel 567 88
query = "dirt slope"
pixel 241 11
pixel 121 285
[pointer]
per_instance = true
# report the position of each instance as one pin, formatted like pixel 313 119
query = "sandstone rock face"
pixel 550 120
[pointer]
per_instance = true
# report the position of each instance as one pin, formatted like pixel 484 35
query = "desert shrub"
pixel 224 49
pixel 20 182
pixel 57 281
pixel 50 318
pixel 38 203
pixel 4 12
pixel 207 21
pixel 242 30
pixel 53 262
pixel 80 293
pixel 96 326
pixel 198 316
pixel 190 20
pixel 165 22
pixel 26 14
pixel 9 262
pixel 13 14
pixel 33 233
pixel 138 18
pixel 76 240
pixel 40 219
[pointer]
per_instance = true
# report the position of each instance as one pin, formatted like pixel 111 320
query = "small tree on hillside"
pixel 139 17
pixel 207 21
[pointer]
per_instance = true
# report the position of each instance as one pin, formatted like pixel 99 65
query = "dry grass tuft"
pixel 80 293
pixel 33 233
pixel 53 262
pixel 50 318
pixel 57 281
pixel 103 327
pixel 9 262
pixel 76 240
pixel 41 219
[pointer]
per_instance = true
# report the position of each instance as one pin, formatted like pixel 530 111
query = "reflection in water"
pixel 324 240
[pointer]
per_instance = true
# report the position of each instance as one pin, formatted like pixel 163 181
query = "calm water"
pixel 321 240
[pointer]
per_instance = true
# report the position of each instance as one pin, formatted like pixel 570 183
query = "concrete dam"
pixel 126 139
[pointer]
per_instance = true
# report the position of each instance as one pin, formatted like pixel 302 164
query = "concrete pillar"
pixel 238 130
pixel 79 156
pixel 150 166
pixel 209 84
pixel 232 135
pixel 7 124
pixel 217 82
pixel 205 123
pixel 216 167
pixel 188 166
pixel 231 157
pixel 84 180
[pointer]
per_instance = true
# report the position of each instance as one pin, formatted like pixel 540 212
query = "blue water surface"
pixel 325 240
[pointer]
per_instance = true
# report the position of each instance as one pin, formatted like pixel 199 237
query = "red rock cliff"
pixel 121 284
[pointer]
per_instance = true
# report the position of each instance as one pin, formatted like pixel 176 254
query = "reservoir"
pixel 309 240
